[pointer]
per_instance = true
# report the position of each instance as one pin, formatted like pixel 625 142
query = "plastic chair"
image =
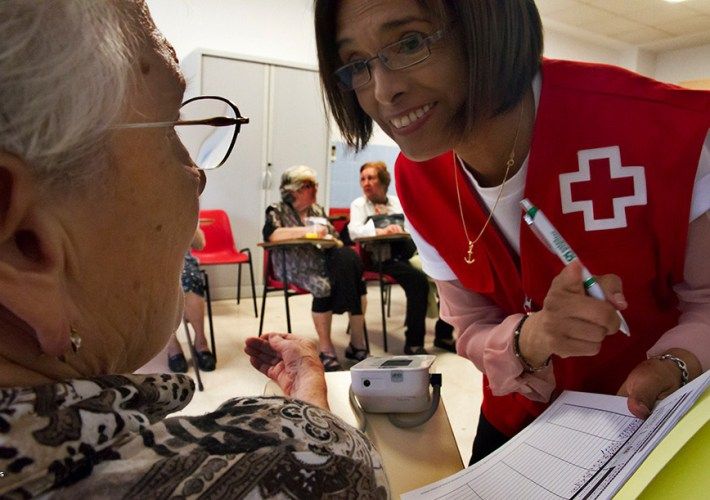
pixel 272 284
pixel 220 248
pixel 339 217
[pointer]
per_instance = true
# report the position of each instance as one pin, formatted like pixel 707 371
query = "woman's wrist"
pixel 528 349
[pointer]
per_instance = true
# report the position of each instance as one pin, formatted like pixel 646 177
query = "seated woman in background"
pixel 364 221
pixel 194 288
pixel 333 276
pixel 99 204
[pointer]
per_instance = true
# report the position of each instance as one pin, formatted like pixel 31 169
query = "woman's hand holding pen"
pixel 571 323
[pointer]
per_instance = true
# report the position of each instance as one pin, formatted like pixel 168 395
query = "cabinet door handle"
pixel 266 177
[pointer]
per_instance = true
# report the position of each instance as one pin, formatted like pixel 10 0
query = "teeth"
pixel 408 119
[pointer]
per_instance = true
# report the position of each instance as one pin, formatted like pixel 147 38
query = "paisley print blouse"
pixel 107 437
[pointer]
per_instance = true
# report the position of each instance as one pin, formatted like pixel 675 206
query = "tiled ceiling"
pixel 655 25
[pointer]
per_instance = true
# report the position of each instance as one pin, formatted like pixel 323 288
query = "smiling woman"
pixel 98 204
pixel 483 121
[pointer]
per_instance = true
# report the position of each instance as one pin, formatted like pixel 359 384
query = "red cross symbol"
pixel 604 196
pixel 602 188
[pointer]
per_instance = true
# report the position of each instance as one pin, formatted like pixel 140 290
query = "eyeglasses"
pixel 215 123
pixel 410 50
pixel 309 185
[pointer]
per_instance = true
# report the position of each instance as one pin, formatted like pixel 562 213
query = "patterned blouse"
pixel 305 264
pixel 107 437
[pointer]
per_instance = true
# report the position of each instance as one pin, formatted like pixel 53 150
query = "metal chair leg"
pixel 193 355
pixel 206 279
pixel 239 283
pixel 253 288
pixel 263 305
pixel 382 306
pixel 286 294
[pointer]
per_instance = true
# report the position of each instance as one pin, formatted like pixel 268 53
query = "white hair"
pixel 293 178
pixel 65 66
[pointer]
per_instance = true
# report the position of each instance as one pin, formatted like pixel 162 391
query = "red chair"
pixel 220 248
pixel 272 284
pixel 339 217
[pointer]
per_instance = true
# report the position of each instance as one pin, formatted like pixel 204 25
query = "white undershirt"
pixel 508 215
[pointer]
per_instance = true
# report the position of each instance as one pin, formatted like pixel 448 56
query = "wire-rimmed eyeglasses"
pixel 215 123
pixel 410 50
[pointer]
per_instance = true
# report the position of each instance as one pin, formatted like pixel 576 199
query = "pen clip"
pixel 533 227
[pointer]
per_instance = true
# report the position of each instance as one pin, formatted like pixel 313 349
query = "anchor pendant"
pixel 469 257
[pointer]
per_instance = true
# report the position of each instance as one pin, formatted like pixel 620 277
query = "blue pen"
pixel 551 238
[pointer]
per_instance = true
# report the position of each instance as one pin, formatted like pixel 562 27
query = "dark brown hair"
pixel 501 42
pixel 381 170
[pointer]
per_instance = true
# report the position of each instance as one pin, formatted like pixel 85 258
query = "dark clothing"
pixel 344 269
pixel 416 288
pixel 191 277
pixel 333 276
pixel 488 439
pixel 108 437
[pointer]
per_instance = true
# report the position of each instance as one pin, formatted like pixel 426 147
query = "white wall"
pixel 684 64
pixel 268 29
pixel 283 30
pixel 559 45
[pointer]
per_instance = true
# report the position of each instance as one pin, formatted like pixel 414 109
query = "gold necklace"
pixel 469 259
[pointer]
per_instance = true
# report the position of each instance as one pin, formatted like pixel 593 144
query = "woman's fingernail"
pixel 619 299
pixel 644 410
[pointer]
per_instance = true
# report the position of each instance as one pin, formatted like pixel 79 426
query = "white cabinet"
pixel 287 126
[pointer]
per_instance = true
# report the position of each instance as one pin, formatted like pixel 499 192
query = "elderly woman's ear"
pixel 31 260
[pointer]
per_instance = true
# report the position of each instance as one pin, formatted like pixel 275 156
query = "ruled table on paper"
pixel 583 446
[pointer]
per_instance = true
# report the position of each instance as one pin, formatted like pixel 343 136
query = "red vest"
pixel 601 134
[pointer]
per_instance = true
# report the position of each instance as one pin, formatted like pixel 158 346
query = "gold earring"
pixel 75 340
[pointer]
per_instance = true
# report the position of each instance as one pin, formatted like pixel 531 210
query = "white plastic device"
pixel 393 384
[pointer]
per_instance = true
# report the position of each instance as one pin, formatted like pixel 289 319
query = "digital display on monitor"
pixel 396 362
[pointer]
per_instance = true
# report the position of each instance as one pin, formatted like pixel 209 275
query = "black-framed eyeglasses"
pixel 215 123
pixel 410 50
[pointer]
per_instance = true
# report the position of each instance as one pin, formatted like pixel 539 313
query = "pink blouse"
pixel 486 335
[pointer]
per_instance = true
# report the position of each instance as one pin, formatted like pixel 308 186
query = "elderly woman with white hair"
pixel 333 276
pixel 98 204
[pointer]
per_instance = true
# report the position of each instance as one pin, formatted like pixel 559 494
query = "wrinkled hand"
pixel 654 379
pixel 570 322
pixel 292 362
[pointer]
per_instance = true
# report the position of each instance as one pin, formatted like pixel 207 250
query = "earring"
pixel 75 340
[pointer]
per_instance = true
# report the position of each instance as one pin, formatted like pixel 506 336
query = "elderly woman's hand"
pixel 292 362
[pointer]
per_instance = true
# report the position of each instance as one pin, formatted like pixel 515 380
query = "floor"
pixel 234 376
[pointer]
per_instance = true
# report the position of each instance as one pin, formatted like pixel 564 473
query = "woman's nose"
pixel 388 84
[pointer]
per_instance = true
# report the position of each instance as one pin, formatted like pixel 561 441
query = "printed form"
pixel 583 446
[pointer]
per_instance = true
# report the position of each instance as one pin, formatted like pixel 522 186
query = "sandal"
pixel 330 362
pixel 352 352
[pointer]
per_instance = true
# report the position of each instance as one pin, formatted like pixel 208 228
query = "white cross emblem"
pixel 616 171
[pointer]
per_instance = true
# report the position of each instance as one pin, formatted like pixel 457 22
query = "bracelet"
pixel 684 377
pixel 516 350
